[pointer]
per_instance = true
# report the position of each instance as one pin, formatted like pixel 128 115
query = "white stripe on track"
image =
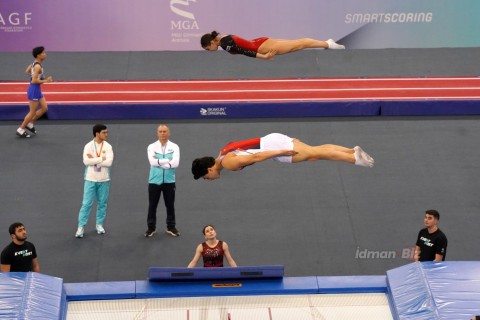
pixel 126 82
pixel 123 102
pixel 243 91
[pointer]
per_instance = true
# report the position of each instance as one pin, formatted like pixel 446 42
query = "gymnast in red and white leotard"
pixel 276 146
pixel 262 48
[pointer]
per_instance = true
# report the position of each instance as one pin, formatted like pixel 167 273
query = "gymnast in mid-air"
pixel 237 155
pixel 262 48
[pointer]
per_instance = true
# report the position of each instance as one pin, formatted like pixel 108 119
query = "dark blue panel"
pixel 214 111
pixel 181 274
pixel 430 107
pixel 13 112
pixel 238 110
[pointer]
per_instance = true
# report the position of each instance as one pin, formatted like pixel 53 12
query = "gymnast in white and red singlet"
pixel 278 147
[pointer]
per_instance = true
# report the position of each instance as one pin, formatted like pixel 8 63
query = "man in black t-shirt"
pixel 431 241
pixel 20 255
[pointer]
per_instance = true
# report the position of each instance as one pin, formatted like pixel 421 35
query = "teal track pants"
pixel 100 190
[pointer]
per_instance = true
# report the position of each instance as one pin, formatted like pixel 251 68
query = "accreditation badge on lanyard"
pixel 98 153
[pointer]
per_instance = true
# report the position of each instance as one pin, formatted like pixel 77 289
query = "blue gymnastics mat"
pixel 31 295
pixel 446 290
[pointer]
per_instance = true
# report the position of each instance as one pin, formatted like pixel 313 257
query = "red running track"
pixel 268 90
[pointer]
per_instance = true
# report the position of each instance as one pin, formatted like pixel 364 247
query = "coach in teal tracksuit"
pixel 98 158
pixel 164 157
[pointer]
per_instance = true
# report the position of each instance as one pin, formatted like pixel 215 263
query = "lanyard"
pixel 101 147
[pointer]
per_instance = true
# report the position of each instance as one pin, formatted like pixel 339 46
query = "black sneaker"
pixel 172 231
pixel 149 233
pixel 23 135
pixel 32 130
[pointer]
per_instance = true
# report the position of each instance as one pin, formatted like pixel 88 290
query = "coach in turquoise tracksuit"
pixel 164 157
pixel 98 158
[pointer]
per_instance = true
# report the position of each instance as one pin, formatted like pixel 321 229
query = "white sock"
pixel 20 130
pixel 30 125
pixel 366 155
pixel 360 159
pixel 333 45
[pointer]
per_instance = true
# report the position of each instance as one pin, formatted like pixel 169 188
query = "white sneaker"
pixel 79 233
pixel 100 229
pixel 333 45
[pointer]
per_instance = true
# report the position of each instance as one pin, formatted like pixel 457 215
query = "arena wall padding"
pixel 430 108
pixel 246 110
pixel 13 112
pixel 228 110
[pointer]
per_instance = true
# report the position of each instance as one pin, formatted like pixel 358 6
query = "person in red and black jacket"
pixel 262 48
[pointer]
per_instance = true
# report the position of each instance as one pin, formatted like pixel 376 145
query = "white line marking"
pixel 123 102
pixel 244 91
pixel 127 82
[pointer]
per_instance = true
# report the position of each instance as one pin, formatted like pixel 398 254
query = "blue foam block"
pixel 156 289
pixel 100 290
pixel 31 295
pixel 352 284
pixel 444 290
pixel 455 288
pixel 409 295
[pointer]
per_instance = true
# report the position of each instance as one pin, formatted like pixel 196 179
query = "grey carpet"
pixel 310 217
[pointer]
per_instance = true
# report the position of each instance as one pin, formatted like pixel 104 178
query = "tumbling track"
pixel 279 90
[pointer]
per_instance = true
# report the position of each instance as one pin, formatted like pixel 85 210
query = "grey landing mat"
pixel 317 218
